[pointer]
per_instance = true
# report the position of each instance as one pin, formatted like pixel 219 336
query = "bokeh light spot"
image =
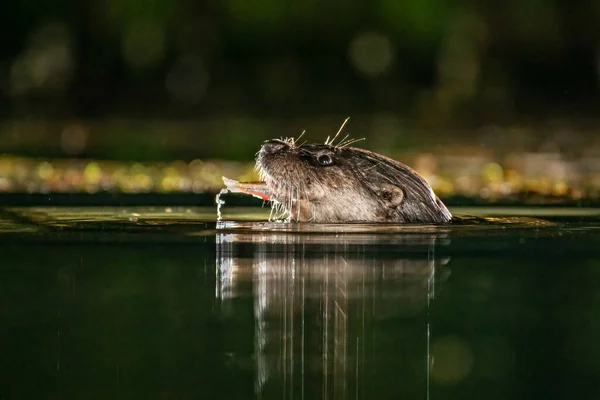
pixel 452 360
pixel 92 173
pixel 371 53
pixel 46 63
pixel 45 170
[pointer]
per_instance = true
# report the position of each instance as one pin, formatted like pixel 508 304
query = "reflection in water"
pixel 321 305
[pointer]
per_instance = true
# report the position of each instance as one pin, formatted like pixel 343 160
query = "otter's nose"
pixel 273 146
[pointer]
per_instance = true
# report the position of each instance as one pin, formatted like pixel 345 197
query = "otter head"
pixel 326 183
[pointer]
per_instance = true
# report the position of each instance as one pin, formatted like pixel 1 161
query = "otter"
pixel 327 183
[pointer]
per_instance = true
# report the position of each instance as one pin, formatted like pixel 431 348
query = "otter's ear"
pixel 391 195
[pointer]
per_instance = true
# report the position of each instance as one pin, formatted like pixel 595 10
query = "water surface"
pixel 168 303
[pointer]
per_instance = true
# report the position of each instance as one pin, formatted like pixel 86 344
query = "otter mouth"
pixel 274 185
pixel 260 189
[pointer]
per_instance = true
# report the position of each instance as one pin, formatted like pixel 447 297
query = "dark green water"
pixel 167 304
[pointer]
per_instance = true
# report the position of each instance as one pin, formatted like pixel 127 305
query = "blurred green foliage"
pixel 466 61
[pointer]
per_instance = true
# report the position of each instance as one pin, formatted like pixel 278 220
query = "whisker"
pixel 349 142
pixel 297 203
pixel 298 138
pixel 342 141
pixel 271 211
pixel 330 143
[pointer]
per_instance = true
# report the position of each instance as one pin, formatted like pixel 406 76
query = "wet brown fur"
pixel 358 185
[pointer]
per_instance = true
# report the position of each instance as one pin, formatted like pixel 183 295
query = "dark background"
pixel 470 62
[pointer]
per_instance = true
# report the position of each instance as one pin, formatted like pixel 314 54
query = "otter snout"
pixel 273 146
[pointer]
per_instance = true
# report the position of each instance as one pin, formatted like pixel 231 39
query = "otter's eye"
pixel 324 159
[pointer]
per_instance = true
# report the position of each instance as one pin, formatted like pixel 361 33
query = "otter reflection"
pixel 333 318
